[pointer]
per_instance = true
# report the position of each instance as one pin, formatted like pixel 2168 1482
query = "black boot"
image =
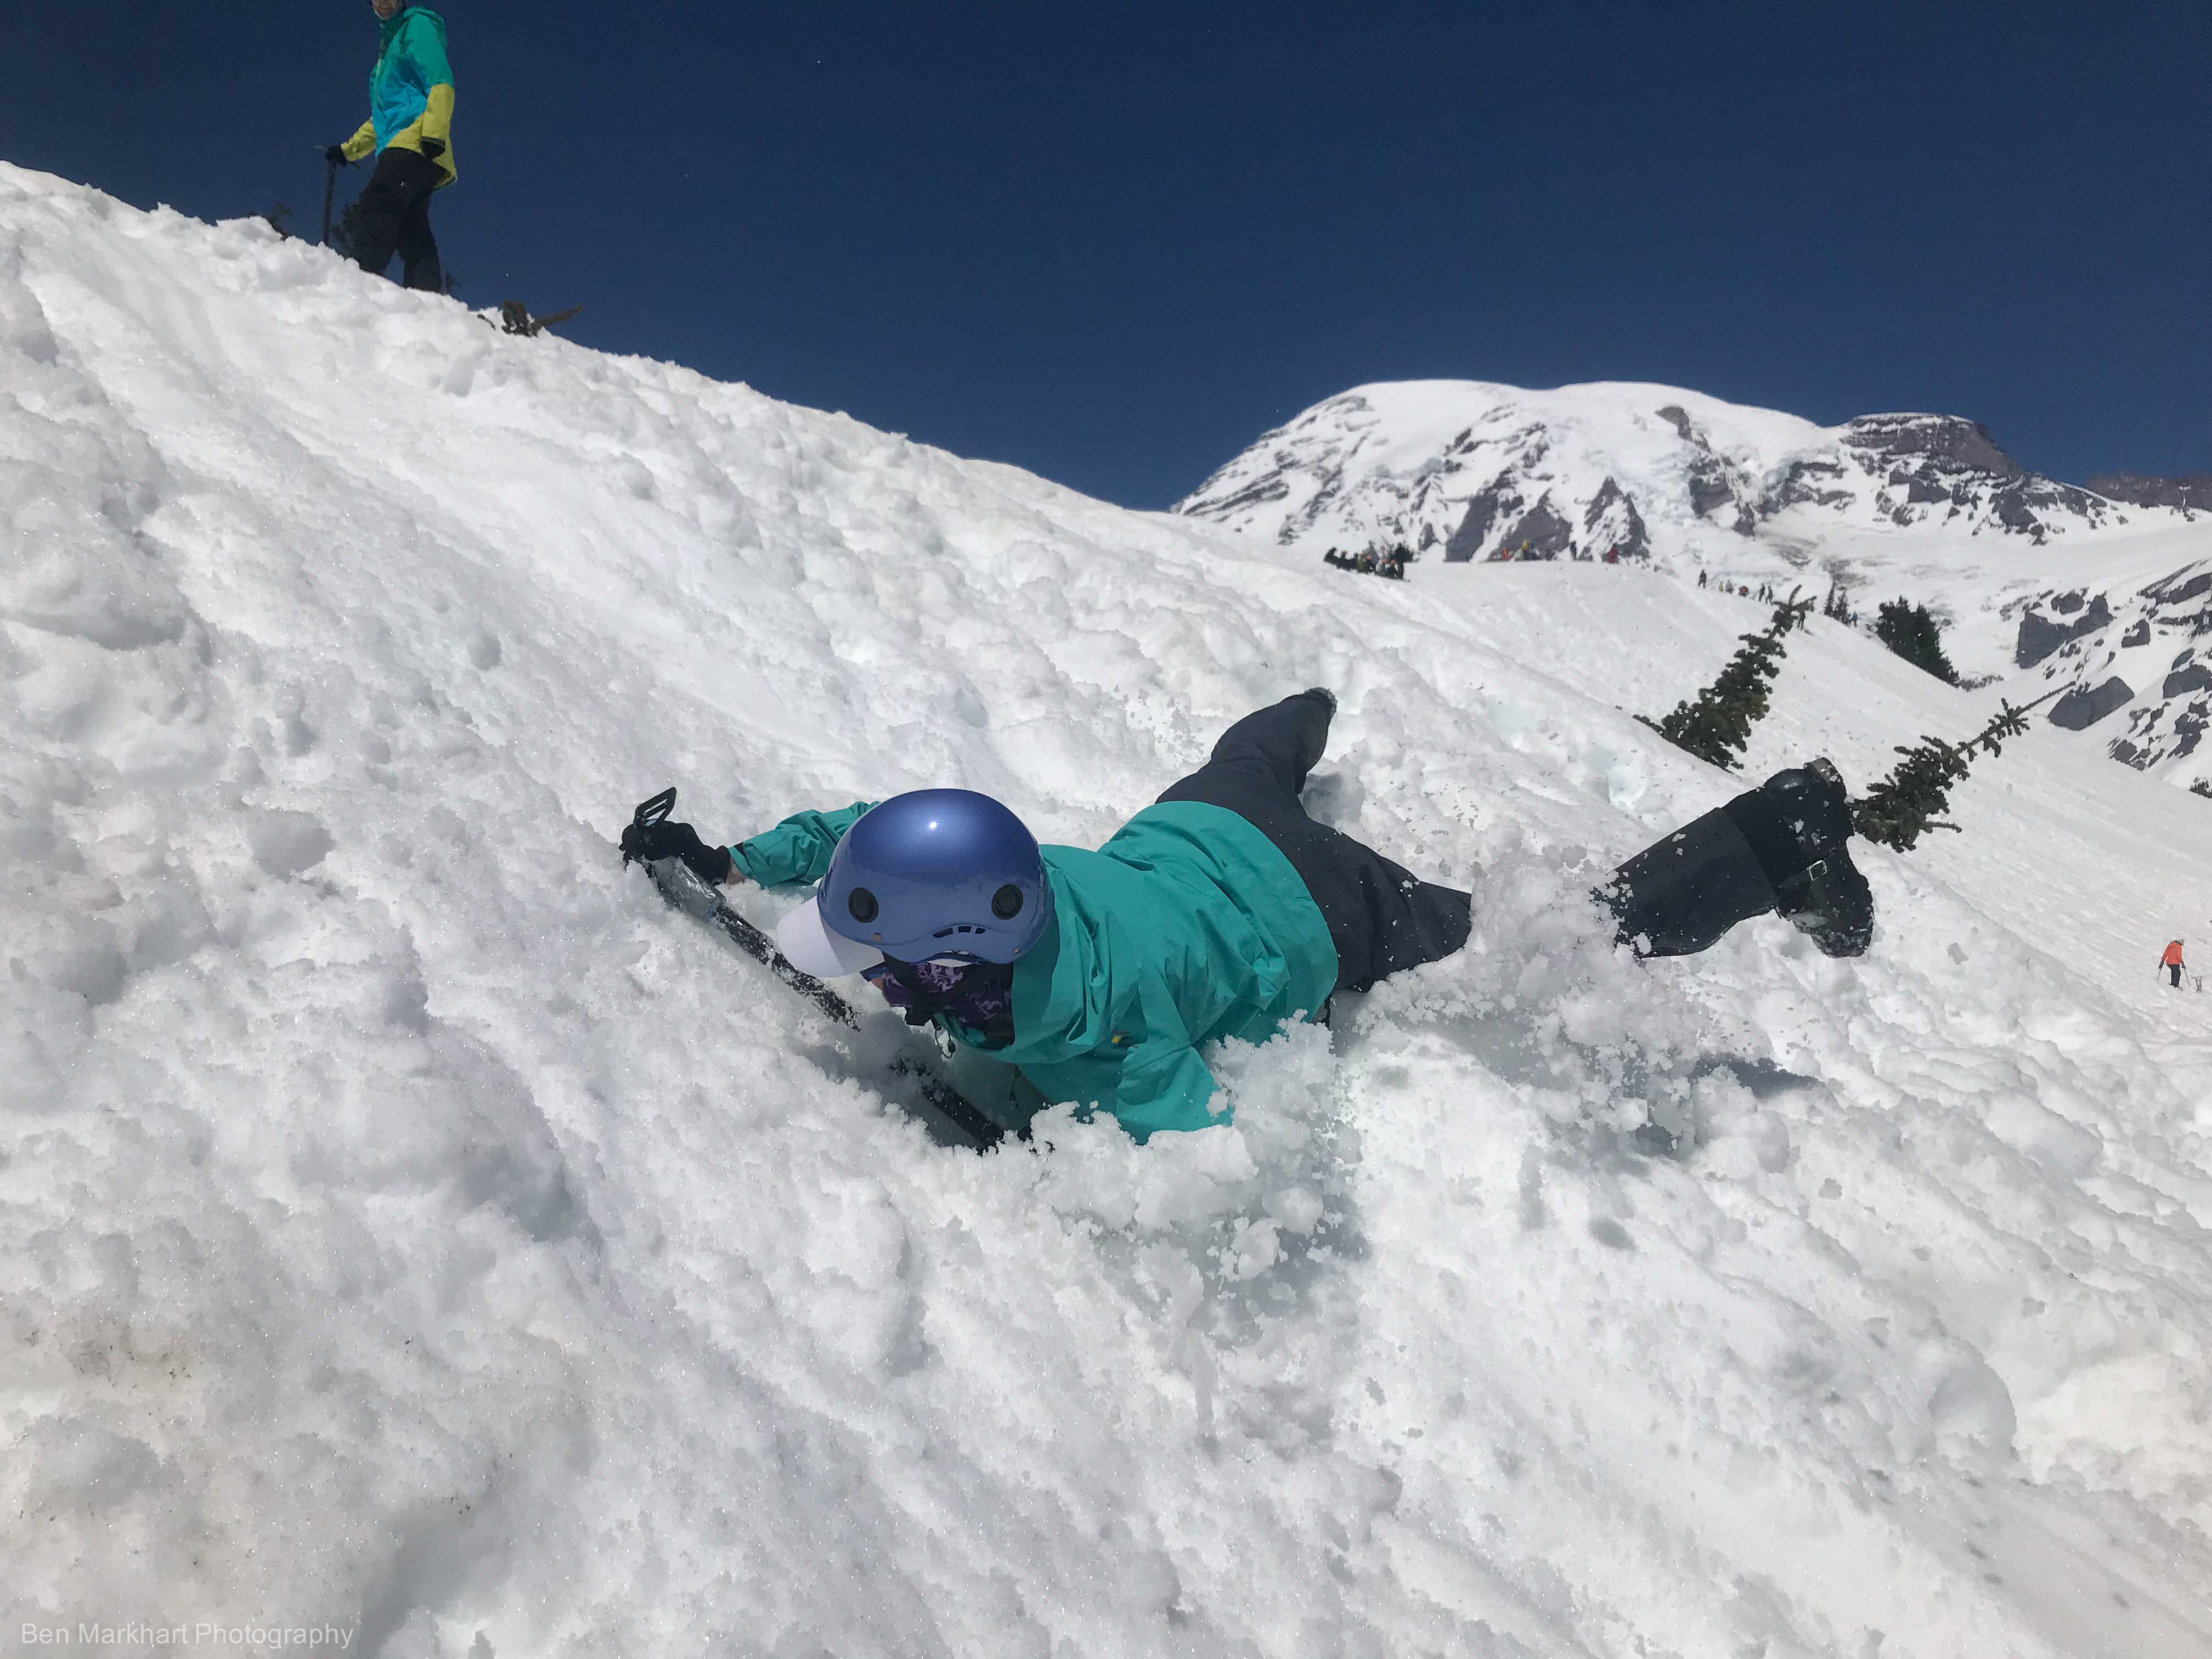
pixel 1780 847
pixel 1799 825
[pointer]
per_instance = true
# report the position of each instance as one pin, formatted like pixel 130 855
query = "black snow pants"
pixel 2174 968
pixel 1681 893
pixel 393 215
pixel 1382 918
pixel 1675 898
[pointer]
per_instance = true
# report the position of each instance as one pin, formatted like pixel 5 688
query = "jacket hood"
pixel 399 20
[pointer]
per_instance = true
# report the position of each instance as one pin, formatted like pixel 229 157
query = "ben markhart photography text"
pixel 207 1633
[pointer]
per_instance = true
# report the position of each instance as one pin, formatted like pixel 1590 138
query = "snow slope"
pixel 406 1223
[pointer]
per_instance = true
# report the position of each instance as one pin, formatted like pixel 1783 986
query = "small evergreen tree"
pixel 2202 787
pixel 1717 726
pixel 1836 608
pixel 1913 634
pixel 1905 805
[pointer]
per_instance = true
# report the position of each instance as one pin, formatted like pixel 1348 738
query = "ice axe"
pixel 685 892
pixel 330 191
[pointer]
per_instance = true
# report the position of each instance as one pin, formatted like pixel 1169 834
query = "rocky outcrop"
pixel 1937 445
pixel 2189 493
pixel 2040 634
pixel 2083 707
pixel 1488 511
pixel 1940 467
pixel 2099 645
pixel 2189 677
pixel 1936 469
pixel 1612 526
pixel 1540 533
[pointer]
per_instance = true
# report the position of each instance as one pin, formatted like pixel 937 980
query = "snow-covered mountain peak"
pixel 1471 471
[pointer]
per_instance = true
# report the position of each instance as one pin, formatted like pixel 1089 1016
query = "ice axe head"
pixel 647 815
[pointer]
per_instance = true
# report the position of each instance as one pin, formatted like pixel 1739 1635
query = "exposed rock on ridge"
pixel 2101 646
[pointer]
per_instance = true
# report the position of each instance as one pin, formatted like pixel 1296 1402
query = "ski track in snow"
pixel 409 1222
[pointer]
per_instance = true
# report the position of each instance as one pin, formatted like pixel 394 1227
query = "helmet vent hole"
pixel 1006 902
pixel 862 905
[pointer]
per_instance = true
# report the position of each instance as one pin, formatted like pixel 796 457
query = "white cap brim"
pixel 808 944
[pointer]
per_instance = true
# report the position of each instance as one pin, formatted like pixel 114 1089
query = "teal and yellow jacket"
pixel 411 92
pixel 1187 926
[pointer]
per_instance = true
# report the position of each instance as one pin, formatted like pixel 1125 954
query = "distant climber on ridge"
pixel 1221 910
pixel 2170 961
pixel 410 131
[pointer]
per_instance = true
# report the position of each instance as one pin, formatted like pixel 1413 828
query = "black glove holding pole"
pixel 647 841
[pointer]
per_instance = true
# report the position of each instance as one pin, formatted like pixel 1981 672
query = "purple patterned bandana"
pixel 979 995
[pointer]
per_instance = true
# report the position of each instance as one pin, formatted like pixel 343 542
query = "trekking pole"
pixel 330 189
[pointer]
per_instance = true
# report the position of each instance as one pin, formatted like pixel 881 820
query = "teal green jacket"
pixel 1187 926
pixel 411 92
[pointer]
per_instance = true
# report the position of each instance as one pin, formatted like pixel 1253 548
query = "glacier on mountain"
pixel 1482 471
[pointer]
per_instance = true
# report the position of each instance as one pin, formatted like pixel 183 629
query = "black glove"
pixel 432 148
pixel 647 841
pixel 335 155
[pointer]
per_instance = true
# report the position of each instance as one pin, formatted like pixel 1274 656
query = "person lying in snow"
pixel 1221 910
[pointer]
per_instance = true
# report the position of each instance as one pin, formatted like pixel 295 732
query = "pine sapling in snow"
pixel 1912 631
pixel 1907 804
pixel 1717 726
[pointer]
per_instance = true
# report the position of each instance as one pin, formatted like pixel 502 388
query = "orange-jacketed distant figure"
pixel 2172 962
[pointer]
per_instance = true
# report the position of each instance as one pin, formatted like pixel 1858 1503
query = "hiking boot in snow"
pixel 1799 825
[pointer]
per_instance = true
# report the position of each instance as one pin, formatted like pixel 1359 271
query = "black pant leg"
pixel 418 249
pixel 403 181
pixel 1277 746
pixel 1679 895
pixel 1382 918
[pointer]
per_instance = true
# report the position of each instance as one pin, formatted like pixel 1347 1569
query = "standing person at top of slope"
pixel 410 131
pixel 1221 910
pixel 2170 961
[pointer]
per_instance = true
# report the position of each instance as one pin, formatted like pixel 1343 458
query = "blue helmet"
pixel 939 873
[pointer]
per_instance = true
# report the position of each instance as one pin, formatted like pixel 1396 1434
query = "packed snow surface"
pixel 409 1225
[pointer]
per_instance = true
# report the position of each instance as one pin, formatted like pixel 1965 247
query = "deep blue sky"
pixel 1113 244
